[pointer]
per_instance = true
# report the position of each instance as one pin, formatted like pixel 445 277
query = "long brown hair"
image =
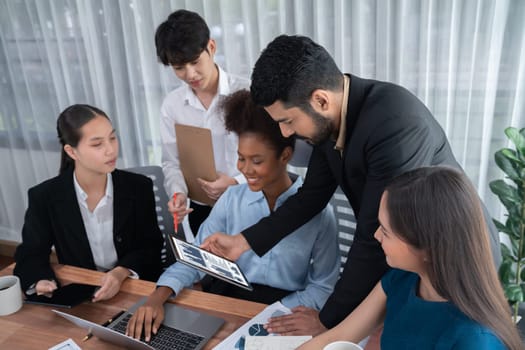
pixel 437 210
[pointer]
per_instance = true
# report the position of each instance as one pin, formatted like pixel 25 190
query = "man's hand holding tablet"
pixel 230 247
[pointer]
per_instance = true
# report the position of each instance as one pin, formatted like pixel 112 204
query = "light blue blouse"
pixel 306 261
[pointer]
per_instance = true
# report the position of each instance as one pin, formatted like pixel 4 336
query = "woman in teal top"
pixel 416 323
pixel 444 292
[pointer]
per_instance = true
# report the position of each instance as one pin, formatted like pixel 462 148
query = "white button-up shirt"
pixel 99 226
pixel 182 106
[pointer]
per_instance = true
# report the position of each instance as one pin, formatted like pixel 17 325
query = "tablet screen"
pixel 209 263
pixel 65 296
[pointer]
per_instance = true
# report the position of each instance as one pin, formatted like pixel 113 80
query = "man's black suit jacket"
pixel 53 218
pixel 388 131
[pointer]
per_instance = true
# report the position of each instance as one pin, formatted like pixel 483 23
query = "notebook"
pixel 181 329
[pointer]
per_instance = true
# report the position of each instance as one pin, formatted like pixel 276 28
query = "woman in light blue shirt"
pixel 299 271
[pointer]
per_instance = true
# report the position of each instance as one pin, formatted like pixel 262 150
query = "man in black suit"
pixel 364 133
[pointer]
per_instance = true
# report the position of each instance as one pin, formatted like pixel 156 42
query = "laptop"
pixel 181 329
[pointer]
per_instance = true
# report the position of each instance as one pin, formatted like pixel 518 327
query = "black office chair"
pixel 346 224
pixel 164 217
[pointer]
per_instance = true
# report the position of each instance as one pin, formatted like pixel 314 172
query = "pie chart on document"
pixel 257 329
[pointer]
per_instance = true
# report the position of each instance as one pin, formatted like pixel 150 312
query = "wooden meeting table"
pixel 36 327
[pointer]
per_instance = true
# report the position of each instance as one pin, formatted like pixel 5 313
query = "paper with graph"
pixel 252 333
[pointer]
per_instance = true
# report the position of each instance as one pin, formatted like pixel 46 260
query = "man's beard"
pixel 323 127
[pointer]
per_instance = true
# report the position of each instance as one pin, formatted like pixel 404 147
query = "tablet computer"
pixel 209 263
pixel 66 296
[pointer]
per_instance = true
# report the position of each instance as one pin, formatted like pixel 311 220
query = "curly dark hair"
pixel 290 68
pixel 242 116
pixel 181 38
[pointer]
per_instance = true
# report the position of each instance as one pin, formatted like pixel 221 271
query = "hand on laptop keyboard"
pixel 167 338
pixel 149 316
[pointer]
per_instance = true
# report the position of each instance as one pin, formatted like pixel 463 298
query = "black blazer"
pixel 53 218
pixel 389 131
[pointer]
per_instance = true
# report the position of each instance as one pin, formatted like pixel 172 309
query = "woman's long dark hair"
pixel 69 123
pixel 437 210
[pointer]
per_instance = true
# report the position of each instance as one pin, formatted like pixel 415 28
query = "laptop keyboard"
pixel 166 337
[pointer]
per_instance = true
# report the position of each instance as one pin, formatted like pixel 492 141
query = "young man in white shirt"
pixel 183 42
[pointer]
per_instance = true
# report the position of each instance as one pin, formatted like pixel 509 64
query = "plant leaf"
pixel 517 139
pixel 513 292
pixel 511 155
pixel 501 227
pixel 506 272
pixel 505 251
pixel 506 193
pixel 514 225
pixel 515 248
pixel 507 161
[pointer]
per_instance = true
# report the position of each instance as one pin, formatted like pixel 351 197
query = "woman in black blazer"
pixel 96 216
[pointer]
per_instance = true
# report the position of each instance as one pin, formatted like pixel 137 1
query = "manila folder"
pixel 196 159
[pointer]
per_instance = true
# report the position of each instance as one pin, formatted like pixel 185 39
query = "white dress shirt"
pixel 99 226
pixel 182 106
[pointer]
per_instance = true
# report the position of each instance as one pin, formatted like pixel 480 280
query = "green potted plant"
pixel 511 193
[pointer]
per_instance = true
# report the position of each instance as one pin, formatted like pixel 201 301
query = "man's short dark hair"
pixel 290 69
pixel 181 38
